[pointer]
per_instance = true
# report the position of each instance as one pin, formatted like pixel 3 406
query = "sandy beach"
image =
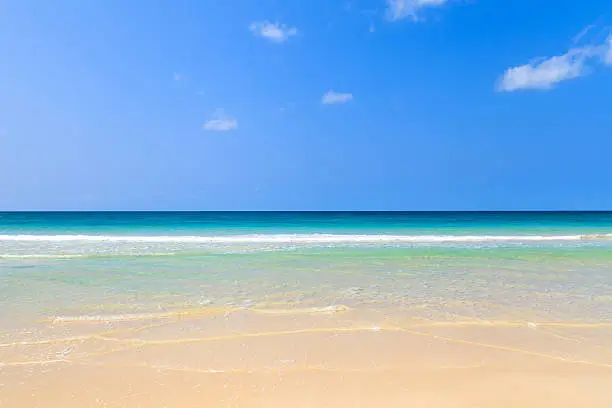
pixel 305 357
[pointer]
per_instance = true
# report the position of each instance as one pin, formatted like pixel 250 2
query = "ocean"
pixel 81 263
pixel 70 277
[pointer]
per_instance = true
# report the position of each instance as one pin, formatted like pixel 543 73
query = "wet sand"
pixel 304 357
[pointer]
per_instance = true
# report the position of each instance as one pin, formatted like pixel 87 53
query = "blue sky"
pixel 305 105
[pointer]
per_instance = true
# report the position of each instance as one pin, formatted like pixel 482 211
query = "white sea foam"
pixel 41 256
pixel 302 239
pixel 111 318
pixel 76 256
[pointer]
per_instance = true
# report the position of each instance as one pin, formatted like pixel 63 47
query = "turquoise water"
pixel 482 265
pixel 227 223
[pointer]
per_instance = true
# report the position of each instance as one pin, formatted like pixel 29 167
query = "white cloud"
pixel 220 122
pixel 332 97
pixel 274 32
pixel 178 77
pixel 546 73
pixel 401 9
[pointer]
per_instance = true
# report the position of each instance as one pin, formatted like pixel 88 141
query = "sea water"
pixel 440 265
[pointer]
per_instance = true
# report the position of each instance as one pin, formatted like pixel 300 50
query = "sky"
pixel 306 105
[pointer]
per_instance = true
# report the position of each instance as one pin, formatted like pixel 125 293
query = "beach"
pixel 305 309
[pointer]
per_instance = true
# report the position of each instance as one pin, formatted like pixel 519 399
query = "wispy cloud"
pixel 274 32
pixel 331 98
pixel 546 73
pixel 608 51
pixel 401 9
pixel 220 122
pixel 178 77
pixel 582 33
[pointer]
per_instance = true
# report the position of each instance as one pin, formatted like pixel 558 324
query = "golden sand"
pixel 329 356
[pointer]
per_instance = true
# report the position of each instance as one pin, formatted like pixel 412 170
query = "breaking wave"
pixel 302 239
